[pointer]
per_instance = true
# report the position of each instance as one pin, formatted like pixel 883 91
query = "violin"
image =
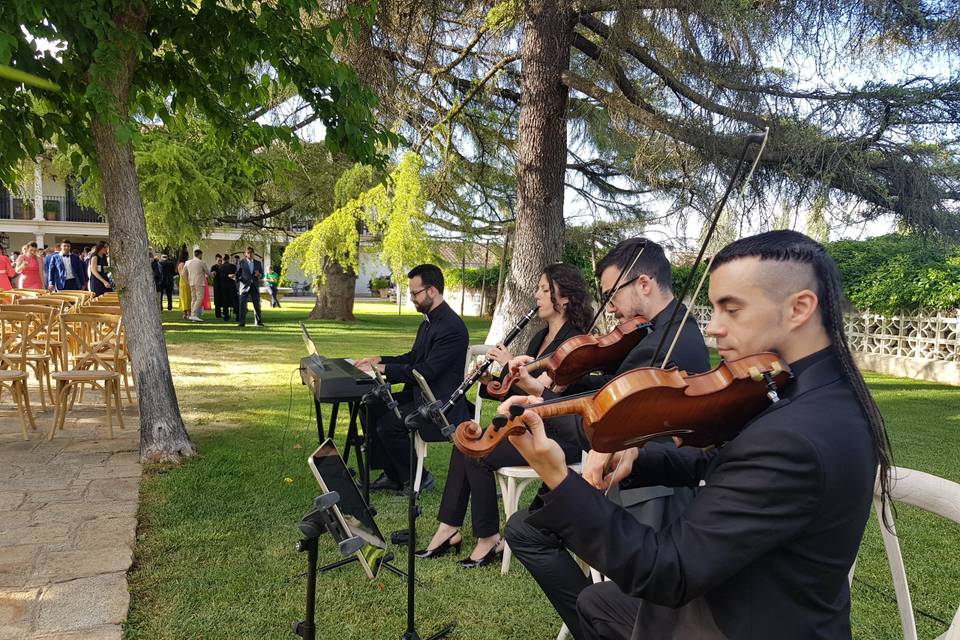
pixel 580 355
pixel 636 406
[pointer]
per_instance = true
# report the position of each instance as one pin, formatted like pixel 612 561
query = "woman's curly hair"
pixel 568 282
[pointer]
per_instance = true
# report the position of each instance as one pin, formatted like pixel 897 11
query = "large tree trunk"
pixel 163 437
pixel 335 294
pixel 541 160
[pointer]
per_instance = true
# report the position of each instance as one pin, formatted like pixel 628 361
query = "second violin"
pixel 580 355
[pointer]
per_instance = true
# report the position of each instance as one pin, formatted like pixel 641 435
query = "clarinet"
pixel 469 382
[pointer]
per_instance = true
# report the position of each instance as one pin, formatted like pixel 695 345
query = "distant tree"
pixel 392 210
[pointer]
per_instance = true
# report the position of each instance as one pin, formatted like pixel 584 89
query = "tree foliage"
pixel 393 210
pixel 662 93
pixel 899 273
pixel 126 64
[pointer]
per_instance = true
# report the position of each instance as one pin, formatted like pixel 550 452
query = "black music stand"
pixel 425 415
pixel 312 526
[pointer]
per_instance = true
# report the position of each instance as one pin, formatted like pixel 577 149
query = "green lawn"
pixel 215 552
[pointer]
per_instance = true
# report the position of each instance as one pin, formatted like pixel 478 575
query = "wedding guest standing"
pixel 28 266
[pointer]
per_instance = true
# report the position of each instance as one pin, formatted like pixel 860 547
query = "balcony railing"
pixel 56 208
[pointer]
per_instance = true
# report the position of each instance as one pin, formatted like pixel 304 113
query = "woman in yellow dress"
pixel 184 285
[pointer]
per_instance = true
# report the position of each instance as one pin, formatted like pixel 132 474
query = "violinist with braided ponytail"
pixel 764 549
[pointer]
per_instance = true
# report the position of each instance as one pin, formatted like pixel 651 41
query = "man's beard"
pixel 424 307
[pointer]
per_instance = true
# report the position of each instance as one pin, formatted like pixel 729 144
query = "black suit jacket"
pixel 157 274
pixel 249 280
pixel 439 353
pixel 764 549
pixel 167 270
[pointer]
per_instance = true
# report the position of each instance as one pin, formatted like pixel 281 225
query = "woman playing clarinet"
pixel 563 304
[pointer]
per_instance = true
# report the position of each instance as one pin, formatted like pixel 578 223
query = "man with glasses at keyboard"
pixel 438 354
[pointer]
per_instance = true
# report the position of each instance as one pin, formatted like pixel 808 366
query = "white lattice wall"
pixel 935 338
pixel 898 345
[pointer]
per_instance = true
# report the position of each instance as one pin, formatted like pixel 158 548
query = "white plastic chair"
pixel 930 493
pixel 513 480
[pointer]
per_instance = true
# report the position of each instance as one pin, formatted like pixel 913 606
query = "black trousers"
pixel 605 613
pixel 471 480
pixel 544 555
pixel 388 439
pixel 166 289
pixel 227 303
pixel 253 294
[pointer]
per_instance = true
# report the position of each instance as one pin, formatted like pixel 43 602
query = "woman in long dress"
pixel 28 266
pixel 206 296
pixel 184 286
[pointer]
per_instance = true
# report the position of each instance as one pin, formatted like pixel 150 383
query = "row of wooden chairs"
pixel 68 339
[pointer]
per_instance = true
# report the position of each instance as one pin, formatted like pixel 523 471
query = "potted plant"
pixel 381 284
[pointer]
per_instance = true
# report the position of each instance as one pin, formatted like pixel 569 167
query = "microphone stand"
pixel 425 415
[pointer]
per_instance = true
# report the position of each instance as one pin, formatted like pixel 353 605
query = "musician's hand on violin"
pixel 620 466
pixel 595 468
pixel 500 354
pixel 542 453
pixel 526 382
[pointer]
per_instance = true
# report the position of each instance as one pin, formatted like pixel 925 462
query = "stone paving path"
pixel 68 518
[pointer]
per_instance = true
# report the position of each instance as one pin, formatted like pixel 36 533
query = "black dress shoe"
pixel 441 549
pixel 426 483
pixel 384 483
pixel 490 558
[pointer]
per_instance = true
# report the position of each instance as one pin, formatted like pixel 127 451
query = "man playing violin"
pixel 636 279
pixel 764 549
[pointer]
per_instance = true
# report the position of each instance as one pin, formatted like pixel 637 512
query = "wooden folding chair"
pixel 120 337
pixel 36 354
pixel 14 341
pixel 88 362
pixel 19 294
pixel 69 302
pixel 106 308
pixel 56 346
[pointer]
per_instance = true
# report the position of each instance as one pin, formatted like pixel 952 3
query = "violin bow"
pixel 753 138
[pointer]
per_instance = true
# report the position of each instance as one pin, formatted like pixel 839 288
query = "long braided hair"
pixel 792 246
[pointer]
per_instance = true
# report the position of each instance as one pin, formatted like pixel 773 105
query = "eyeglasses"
pixel 414 294
pixel 608 295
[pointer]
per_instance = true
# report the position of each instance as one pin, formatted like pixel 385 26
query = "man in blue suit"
pixel 249 273
pixel 66 270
